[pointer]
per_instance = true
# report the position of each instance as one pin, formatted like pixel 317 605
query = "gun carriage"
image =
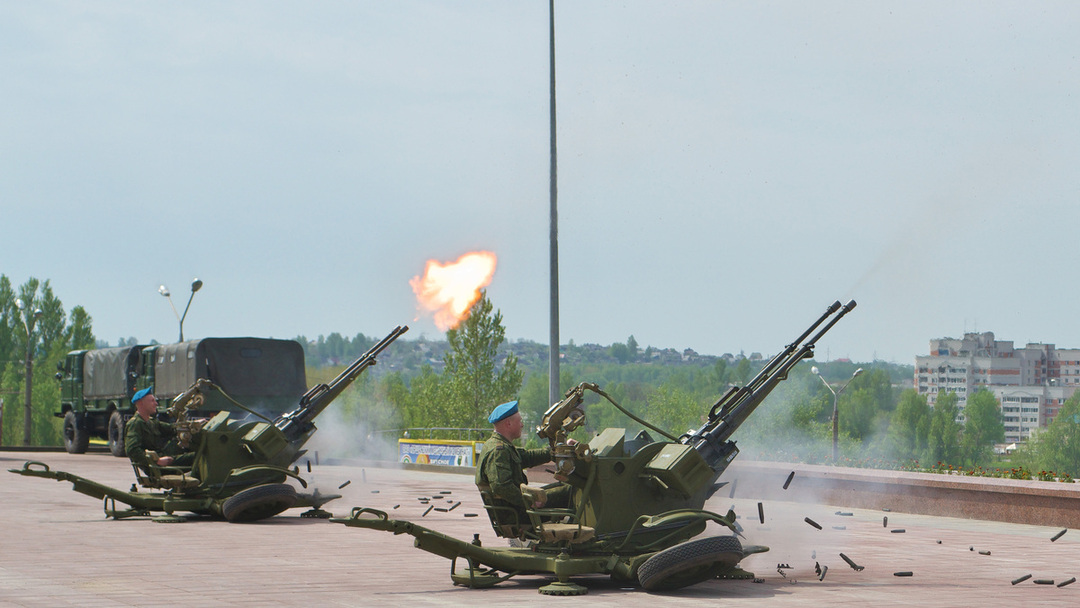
pixel 638 502
pixel 240 467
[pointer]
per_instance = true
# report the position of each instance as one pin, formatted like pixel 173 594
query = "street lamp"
pixel 835 410
pixel 29 321
pixel 196 285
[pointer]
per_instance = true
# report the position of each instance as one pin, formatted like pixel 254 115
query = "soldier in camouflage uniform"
pixel 500 471
pixel 144 432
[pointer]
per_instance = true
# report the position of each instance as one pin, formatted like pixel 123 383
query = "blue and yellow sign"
pixel 437 451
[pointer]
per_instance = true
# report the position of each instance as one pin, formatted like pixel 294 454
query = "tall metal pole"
pixel 28 418
pixel 554 394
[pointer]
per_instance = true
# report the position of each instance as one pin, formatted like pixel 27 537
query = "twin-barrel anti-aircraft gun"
pixel 240 467
pixel 638 503
pixel 637 510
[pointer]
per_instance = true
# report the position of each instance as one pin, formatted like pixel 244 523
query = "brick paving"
pixel 57 549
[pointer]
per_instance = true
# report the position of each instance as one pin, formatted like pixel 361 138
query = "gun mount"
pixel 240 467
pixel 638 502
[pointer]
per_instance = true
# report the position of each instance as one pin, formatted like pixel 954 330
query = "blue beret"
pixel 144 392
pixel 502 412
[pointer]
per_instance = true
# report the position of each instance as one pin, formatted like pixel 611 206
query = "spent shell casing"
pixel 1017 581
pixel 347 482
pixel 824 570
pixel 885 522
pixel 844 514
pixel 396 506
pixel 898 530
pixel 441 509
pixel 428 511
pixel 308 466
pixel 853 565
pixel 470 515
pixel 1067 582
pixel 1059 535
pixel 904 573
pixel 761 512
pixel 839 527
pixel 1044 581
pixel 790 476
pixel 446 492
pixel 984 553
pixel 374 491
pixel 812 522
pixel 455 505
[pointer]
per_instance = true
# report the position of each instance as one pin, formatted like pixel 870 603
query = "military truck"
pixel 96 385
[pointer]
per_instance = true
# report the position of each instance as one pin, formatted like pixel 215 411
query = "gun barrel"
pixel 295 423
pixel 736 405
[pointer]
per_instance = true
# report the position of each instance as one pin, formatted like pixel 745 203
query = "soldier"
pixel 145 433
pixel 500 470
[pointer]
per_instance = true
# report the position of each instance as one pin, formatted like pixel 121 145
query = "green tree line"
pixel 51 336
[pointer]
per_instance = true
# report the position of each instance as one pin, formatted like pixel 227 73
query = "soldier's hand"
pixel 164 461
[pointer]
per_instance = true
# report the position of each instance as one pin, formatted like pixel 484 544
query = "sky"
pixel 726 170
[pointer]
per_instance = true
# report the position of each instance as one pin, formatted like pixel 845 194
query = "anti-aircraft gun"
pixel 240 466
pixel 638 503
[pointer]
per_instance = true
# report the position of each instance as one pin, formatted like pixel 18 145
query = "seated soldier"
pixel 144 432
pixel 501 470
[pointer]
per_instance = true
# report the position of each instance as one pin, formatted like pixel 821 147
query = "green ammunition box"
pixel 681 468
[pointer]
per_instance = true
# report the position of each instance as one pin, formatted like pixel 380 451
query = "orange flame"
pixel 449 290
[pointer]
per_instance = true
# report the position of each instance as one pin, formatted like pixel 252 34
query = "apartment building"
pixel 1031 383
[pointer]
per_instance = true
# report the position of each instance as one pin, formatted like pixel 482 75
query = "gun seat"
pixel 506 522
pixel 164 478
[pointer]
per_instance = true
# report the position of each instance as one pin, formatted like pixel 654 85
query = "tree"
pixel 632 346
pixel 620 352
pixel 944 437
pixel 983 427
pixel 475 383
pixel 53 335
pixel 909 427
pixel 1057 448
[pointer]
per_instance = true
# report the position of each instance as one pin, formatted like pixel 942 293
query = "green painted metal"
pixel 240 467
pixel 635 499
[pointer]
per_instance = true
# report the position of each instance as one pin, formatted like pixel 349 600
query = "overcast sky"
pixel 726 169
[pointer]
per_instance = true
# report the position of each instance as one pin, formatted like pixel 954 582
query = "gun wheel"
pixel 690 563
pixel 259 502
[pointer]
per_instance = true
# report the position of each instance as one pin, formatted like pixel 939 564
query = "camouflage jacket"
pixel 502 465
pixel 141 435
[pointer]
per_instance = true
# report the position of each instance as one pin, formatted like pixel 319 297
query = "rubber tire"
pixel 259 502
pixel 76 439
pixel 688 563
pixel 115 433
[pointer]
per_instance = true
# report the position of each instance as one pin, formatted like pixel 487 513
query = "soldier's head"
pixel 507 420
pixel 145 402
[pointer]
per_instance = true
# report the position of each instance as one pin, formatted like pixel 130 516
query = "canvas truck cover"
pixel 107 372
pixel 243 367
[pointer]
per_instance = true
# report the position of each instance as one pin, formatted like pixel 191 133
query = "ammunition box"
pixel 265 439
pixel 680 468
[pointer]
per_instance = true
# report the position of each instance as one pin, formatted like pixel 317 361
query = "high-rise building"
pixel 1031 383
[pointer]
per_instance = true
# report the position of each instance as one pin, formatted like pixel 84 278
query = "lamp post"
pixel 29 321
pixel 196 285
pixel 835 410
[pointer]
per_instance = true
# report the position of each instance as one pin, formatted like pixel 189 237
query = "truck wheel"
pixel 259 502
pixel 116 434
pixel 76 439
pixel 689 563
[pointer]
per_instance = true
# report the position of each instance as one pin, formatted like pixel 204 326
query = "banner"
pixel 436 451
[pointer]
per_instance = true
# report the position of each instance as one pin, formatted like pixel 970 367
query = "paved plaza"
pixel 57 549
